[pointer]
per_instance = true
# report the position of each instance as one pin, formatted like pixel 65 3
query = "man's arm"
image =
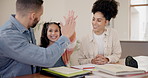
pixel 18 48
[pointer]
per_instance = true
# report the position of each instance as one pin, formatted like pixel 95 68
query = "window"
pixel 139 20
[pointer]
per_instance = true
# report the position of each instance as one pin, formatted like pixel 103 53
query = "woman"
pixel 50 34
pixel 102 45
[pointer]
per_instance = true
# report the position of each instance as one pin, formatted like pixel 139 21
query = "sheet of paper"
pixel 85 66
pixel 65 70
pixel 117 68
pixel 142 62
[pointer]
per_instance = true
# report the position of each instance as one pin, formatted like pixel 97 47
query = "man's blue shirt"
pixel 18 51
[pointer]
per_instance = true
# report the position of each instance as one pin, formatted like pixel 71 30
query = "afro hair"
pixel 109 8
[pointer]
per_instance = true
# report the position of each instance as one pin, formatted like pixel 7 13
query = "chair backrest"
pixel 134 48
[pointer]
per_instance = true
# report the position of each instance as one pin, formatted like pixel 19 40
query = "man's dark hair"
pixel 44 39
pixel 109 8
pixel 24 6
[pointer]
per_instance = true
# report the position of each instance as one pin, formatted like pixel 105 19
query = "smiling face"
pixel 53 32
pixel 99 22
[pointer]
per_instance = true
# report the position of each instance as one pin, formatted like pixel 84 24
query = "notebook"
pixel 117 69
pixel 65 72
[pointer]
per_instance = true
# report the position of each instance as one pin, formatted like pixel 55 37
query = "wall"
pixel 7 7
pixel 121 23
pixel 54 10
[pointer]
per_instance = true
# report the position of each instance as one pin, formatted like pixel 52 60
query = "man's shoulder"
pixel 8 30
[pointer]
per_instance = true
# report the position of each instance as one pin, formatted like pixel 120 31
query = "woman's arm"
pixel 116 48
pixel 66 55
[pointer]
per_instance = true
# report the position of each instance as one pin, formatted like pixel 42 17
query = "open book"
pixel 65 72
pixel 85 66
pixel 142 64
pixel 117 69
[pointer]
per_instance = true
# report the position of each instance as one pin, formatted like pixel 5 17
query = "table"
pixel 122 61
pixel 36 75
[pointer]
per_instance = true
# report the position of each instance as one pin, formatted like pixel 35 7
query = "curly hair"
pixel 109 8
pixel 44 39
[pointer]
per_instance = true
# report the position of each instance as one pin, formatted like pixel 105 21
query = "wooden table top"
pixel 36 75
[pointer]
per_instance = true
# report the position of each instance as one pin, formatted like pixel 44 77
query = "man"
pixel 18 53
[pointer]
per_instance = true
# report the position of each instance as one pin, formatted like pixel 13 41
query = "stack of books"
pixel 65 72
pixel 107 71
pixel 117 69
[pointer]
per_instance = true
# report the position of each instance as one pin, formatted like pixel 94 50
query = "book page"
pixel 142 62
pixel 117 69
pixel 85 66
pixel 65 70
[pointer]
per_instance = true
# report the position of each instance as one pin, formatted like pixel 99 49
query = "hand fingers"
pixel 64 58
pixel 71 13
pixel 66 20
pixel 67 56
pixel 75 17
pixel 71 17
pixel 100 61
pixel 69 27
pixel 99 56
pixel 97 62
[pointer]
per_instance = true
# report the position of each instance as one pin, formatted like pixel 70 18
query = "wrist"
pixel 92 61
pixel 107 60
pixel 66 36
